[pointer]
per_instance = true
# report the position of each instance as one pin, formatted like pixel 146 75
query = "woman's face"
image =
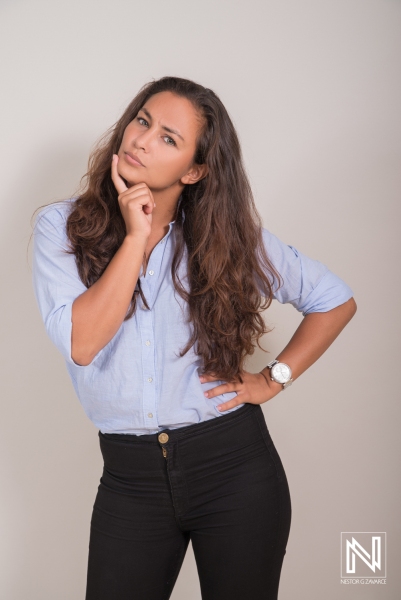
pixel 163 137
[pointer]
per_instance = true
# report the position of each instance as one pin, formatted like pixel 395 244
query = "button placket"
pixel 146 324
pixel 154 265
pixel 145 319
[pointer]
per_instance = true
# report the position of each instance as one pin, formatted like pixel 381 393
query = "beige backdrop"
pixel 313 87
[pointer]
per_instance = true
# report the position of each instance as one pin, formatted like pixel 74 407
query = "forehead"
pixel 175 112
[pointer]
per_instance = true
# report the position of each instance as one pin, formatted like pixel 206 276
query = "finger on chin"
pixel 116 177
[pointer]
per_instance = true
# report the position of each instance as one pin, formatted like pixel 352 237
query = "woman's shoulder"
pixel 274 244
pixel 55 213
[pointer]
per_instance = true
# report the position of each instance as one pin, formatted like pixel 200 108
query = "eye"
pixel 139 119
pixel 171 139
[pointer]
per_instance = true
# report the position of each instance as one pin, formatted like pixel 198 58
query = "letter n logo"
pixel 363 554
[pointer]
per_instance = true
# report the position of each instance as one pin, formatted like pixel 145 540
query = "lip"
pixel 132 159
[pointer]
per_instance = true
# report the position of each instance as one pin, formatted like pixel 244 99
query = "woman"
pixel 151 283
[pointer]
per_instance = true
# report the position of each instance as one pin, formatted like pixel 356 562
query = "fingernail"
pixel 206 394
pixel 201 378
pixel 219 408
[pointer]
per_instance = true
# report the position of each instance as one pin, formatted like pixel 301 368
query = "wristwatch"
pixel 281 373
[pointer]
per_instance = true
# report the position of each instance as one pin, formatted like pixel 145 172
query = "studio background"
pixel 313 88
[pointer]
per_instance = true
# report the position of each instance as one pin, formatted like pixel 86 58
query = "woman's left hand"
pixel 255 389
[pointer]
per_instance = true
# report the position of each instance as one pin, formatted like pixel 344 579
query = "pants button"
pixel 163 438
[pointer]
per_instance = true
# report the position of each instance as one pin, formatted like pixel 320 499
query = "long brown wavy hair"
pixel 230 275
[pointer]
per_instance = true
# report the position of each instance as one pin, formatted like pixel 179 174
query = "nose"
pixel 143 140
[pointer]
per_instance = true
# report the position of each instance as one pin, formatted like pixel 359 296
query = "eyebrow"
pixel 147 113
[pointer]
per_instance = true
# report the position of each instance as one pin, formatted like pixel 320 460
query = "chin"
pixel 129 182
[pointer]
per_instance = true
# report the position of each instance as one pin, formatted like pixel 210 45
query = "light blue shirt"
pixel 137 383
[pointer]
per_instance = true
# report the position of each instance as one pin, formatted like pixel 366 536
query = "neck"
pixel 166 207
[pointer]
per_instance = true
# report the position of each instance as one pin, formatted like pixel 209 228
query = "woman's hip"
pixel 194 460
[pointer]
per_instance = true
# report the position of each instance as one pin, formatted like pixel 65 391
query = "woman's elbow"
pixel 352 306
pixel 346 310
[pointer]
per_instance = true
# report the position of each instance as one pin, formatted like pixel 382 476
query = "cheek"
pixel 171 164
pixel 130 132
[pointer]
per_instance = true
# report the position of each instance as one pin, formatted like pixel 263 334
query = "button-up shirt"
pixel 137 383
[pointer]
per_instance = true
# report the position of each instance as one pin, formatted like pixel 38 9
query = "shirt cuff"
pixel 59 330
pixel 330 292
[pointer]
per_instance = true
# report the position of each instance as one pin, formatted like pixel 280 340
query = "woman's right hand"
pixel 136 204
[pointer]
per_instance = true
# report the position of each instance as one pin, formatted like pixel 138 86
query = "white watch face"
pixel 281 372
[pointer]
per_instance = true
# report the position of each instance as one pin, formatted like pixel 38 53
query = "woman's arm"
pixel 97 314
pixel 327 305
pixel 68 308
pixel 311 339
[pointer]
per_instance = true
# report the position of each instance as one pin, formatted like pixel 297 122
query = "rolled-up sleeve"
pixel 309 285
pixel 55 279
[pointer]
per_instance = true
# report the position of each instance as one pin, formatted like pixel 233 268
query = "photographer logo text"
pixel 363 557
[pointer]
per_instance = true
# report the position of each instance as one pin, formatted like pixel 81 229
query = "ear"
pixel 195 173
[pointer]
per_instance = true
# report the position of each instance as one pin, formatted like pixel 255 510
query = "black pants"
pixel 219 483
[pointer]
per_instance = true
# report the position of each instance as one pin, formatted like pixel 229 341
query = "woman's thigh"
pixel 221 484
pixel 240 516
pixel 136 548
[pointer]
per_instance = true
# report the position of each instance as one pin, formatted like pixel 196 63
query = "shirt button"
pixel 147 342
pixel 150 379
pixel 150 415
pixel 151 272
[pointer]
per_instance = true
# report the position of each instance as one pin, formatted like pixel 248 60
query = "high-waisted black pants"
pixel 219 483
